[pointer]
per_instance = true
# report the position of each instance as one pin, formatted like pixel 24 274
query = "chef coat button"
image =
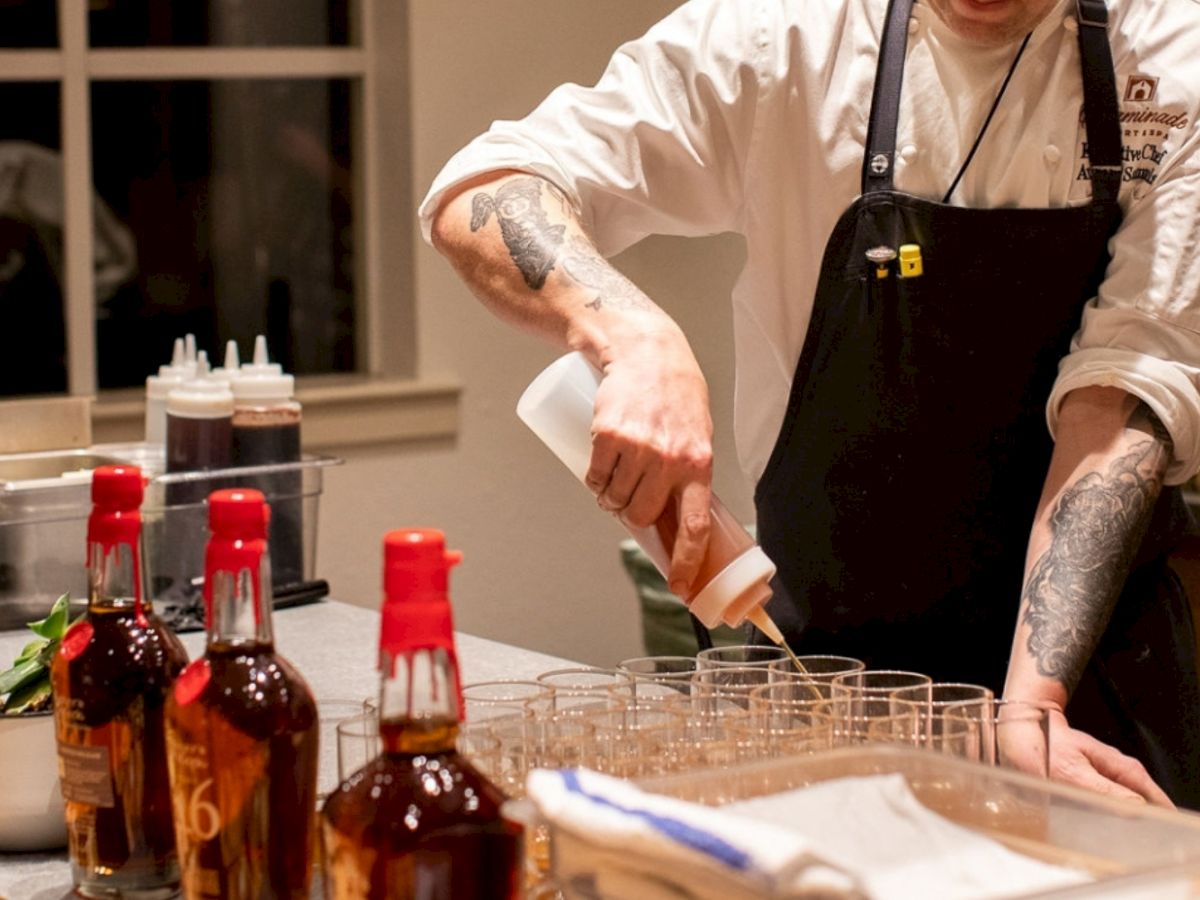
pixel 1071 24
pixel 907 152
pixel 913 25
pixel 1052 154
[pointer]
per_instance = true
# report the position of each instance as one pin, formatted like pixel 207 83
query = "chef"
pixel 968 359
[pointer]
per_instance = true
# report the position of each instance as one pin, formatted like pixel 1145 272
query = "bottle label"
pixel 191 682
pixel 77 639
pixel 197 815
pixel 85 775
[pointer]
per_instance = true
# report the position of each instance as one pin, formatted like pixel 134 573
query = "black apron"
pixel 900 494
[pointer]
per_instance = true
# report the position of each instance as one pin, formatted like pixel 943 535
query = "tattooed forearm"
pixel 595 273
pixel 537 246
pixel 1096 529
pixel 532 242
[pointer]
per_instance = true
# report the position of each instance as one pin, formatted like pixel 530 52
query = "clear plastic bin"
pixel 175 531
pixel 1130 850
pixel 45 502
pixel 44 505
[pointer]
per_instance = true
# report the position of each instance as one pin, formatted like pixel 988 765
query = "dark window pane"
pixel 219 23
pixel 28 23
pixel 237 195
pixel 33 336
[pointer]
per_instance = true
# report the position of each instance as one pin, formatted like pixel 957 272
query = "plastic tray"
pixel 1130 850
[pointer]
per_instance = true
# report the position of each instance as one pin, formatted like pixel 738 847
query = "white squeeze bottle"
pixel 181 368
pixel 733 582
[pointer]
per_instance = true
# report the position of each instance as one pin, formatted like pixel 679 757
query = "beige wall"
pixel 541 567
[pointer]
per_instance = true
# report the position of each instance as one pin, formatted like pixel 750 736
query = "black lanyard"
pixel 1099 100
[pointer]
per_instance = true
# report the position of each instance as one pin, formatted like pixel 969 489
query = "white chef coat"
pixel 750 116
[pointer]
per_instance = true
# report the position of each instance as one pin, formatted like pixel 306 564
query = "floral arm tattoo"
pixel 1096 528
pixel 536 246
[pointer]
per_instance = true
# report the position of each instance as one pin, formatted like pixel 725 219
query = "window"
pixel 203 167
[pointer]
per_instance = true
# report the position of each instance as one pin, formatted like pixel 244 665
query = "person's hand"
pixel 652 445
pixel 1078 758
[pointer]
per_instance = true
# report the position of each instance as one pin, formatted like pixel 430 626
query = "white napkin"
pixel 875 827
pixel 613 840
pixel 848 837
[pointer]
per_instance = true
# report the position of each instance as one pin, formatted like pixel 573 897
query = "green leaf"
pixel 55 624
pixel 18 676
pixel 32 649
pixel 32 697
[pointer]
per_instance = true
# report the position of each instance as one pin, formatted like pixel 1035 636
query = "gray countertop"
pixel 334 645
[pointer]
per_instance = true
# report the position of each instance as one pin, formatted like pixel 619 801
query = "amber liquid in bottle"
pixel 419 821
pixel 110 682
pixel 243 766
pixel 242 745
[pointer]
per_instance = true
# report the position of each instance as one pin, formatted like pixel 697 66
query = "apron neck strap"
pixel 880 154
pixel 1099 100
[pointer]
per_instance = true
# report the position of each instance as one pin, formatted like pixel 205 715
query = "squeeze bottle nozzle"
pixel 228 370
pixel 733 583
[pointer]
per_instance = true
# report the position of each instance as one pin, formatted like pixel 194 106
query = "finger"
pixel 1083 775
pixel 602 464
pixel 626 476
pixel 1114 765
pixel 649 498
pixel 691 540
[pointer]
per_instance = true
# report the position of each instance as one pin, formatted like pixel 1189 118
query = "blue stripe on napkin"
pixel 680 832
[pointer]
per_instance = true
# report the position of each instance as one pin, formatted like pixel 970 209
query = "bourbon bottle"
pixel 242 729
pixel 419 821
pixel 110 679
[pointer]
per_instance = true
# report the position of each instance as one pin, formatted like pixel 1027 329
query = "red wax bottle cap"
pixel 238 514
pixel 237 518
pixel 416 565
pixel 116 502
pixel 416 605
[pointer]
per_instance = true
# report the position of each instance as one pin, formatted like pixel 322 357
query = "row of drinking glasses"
pixel 658 715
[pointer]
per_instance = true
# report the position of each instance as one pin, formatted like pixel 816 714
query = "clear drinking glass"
pixel 740 656
pixel 1013 734
pixel 357 742
pixel 713 687
pixel 860 697
pixel 1022 736
pixel 933 700
pixel 786 719
pixel 819 667
pixel 650 673
pixel 331 712
pixel 583 689
pixel 504 710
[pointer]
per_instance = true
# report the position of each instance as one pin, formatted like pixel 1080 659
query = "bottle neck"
pixel 240 605
pixel 419 701
pixel 114 577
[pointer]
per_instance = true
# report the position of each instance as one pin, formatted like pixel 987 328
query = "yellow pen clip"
pixel 911 264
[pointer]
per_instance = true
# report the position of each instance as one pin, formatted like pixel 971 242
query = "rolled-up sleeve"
pixel 657 146
pixel 1142 331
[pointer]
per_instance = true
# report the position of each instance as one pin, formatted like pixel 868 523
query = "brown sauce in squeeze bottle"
pixel 733 584
pixel 266 431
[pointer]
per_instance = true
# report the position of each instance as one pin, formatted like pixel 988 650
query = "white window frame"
pixel 383 402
